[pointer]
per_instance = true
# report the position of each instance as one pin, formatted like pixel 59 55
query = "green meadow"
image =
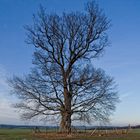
pixel 27 134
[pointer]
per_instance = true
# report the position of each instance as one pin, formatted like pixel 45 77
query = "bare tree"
pixel 64 82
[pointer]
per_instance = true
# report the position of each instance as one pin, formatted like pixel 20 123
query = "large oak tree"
pixel 63 81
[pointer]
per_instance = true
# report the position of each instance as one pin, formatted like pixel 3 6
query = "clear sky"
pixel 121 59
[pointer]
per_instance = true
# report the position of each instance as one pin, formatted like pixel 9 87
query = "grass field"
pixel 26 134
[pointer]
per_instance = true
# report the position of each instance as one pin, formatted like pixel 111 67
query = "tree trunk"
pixel 65 125
pixel 66 113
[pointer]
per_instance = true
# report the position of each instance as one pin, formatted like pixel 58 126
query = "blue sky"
pixel 121 59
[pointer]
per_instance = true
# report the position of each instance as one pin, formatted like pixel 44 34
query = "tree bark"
pixel 65 125
pixel 66 115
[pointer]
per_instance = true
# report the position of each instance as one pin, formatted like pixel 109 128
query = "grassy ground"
pixel 26 134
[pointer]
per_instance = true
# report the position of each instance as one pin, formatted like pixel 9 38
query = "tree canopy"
pixel 63 81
